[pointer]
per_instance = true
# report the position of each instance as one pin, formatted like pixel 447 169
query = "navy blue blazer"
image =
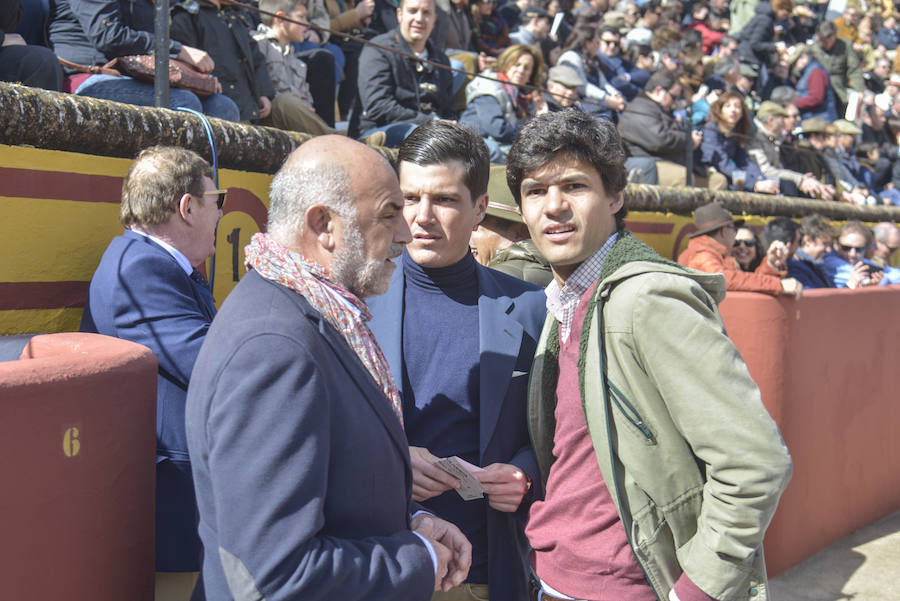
pixel 301 466
pixel 510 318
pixel 139 292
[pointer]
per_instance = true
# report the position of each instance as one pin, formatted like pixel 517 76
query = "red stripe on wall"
pixel 42 295
pixel 30 183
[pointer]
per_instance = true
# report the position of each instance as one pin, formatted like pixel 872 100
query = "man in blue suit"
pixel 147 290
pixel 459 338
pixel 301 467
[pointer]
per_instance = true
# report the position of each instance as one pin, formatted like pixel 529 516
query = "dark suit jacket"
pixel 301 466
pixel 140 293
pixel 511 314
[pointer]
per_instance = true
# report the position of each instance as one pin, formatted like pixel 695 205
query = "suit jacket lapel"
pixel 499 338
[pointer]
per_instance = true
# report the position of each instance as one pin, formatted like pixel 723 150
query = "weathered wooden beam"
pixel 56 121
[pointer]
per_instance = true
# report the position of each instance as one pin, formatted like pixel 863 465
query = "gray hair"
pixel 783 95
pixel 883 230
pixel 295 189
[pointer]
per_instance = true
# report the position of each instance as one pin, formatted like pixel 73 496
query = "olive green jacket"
pixel 693 460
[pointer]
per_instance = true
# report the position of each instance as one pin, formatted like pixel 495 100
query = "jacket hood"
pixel 630 257
pixel 712 283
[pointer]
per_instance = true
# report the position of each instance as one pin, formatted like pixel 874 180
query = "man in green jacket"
pixel 661 467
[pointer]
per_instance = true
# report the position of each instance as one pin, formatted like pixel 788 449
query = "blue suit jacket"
pixel 511 314
pixel 140 293
pixel 300 464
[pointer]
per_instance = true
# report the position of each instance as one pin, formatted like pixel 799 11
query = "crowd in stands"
pixel 770 97
pixel 788 257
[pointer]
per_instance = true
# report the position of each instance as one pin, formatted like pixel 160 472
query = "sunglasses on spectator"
pixel 608 41
pixel 846 248
pixel 747 243
pixel 220 196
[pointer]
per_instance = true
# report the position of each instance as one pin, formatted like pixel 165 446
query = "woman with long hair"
pixel 725 134
pixel 747 249
pixel 497 107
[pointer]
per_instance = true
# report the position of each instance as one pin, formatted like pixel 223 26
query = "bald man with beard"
pixel 302 466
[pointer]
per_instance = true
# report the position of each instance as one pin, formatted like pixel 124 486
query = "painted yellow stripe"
pixel 44 321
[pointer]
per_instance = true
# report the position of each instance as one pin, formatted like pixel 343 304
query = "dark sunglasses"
pixel 220 197
pixel 846 248
pixel 747 243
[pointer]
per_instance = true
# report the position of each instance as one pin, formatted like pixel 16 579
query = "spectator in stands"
pixel 710 250
pixel 342 15
pixel 580 53
pixel 815 94
pixel 724 137
pixel 887 242
pixel 496 108
pixel 535 25
pixel 33 66
pixel 460 27
pixel 816 235
pixel 808 155
pixel 700 21
pixel 846 25
pixel 293 106
pixel 94 33
pixel 781 236
pixel 501 227
pixel 492 35
pixel 225 33
pixel 147 289
pixel 397 93
pixel 845 264
pixel 563 83
pixel 765 150
pixel 642 32
pixel 877 78
pixel 649 131
pixel 839 60
pixel 757 45
pixel 619 71
pixel 888 34
pixel 747 250
pixel 874 130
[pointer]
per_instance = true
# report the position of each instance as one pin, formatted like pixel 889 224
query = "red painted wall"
pixel 827 368
pixel 78 440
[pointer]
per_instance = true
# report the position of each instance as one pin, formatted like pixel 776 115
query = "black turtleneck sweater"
pixel 441 383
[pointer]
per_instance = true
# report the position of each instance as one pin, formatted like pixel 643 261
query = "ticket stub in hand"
pixel 469 487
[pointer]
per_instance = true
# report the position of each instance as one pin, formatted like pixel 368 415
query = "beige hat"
pixel 813 125
pixel 847 127
pixel 769 108
pixel 500 200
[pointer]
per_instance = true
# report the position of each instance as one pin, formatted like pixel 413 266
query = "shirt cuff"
pixel 685 590
pixel 428 545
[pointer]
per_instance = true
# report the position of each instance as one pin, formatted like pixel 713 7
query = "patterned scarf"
pixel 521 100
pixel 341 308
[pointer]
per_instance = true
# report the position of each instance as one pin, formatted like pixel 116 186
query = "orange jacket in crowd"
pixel 705 254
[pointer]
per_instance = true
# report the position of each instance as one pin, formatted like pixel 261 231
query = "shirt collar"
pixel 562 301
pixel 176 254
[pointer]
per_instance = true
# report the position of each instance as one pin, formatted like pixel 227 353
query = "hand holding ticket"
pixel 469 487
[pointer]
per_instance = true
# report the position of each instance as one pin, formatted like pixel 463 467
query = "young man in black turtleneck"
pixel 459 338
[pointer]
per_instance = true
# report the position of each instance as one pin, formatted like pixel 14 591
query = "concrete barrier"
pixel 827 368
pixel 78 440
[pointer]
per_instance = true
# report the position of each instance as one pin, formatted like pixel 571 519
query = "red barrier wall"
pixel 78 440
pixel 827 368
